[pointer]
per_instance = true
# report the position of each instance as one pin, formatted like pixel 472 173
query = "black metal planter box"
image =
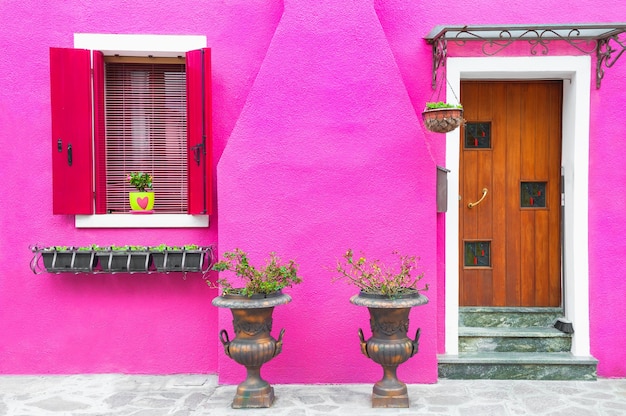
pixel 70 261
pixel 179 260
pixel 124 261
pixel 129 259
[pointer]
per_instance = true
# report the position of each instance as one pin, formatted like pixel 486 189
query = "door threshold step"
pixel 510 309
pixel 512 340
pixel 517 366
pixel 504 316
pixel 511 332
pixel 516 357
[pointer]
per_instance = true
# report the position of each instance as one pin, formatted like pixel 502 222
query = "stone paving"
pixel 185 395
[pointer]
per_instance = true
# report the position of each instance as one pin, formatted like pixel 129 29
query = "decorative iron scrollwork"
pixel 607 55
pixel 602 39
pixel 537 39
pixel 440 52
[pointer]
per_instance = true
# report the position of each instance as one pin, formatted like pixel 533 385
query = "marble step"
pixel 517 366
pixel 504 339
pixel 508 316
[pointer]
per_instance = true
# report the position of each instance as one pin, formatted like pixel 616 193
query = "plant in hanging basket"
pixel 441 117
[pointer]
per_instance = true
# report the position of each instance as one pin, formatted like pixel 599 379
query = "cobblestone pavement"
pixel 184 395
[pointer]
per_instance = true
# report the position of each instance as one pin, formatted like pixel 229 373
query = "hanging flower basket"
pixel 442 120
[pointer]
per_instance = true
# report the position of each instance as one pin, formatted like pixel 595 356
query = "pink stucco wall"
pixel 607 224
pixel 318 147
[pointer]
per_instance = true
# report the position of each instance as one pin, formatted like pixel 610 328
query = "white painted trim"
pixel 141 221
pixel 140 45
pixel 576 71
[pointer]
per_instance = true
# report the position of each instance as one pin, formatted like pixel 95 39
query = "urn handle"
pixel 279 343
pixel 363 344
pixel 416 342
pixel 225 341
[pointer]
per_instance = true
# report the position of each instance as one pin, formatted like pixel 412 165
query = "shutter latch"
pixel 196 152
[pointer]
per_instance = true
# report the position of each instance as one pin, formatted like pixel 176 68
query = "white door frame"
pixel 576 75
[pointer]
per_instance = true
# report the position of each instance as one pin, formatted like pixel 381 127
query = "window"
pixel 147 113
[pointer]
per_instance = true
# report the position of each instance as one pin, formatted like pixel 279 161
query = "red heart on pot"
pixel 142 202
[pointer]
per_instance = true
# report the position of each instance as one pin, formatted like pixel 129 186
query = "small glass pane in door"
pixel 477 253
pixel 478 135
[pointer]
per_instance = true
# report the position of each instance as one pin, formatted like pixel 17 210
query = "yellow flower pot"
pixel 141 201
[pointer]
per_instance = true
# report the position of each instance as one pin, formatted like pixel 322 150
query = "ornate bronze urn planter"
pixel 389 345
pixel 253 344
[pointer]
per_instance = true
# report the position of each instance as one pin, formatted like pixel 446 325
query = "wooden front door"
pixel 510 194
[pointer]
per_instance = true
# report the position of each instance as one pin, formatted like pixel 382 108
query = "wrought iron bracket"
pixel 607 41
pixel 608 52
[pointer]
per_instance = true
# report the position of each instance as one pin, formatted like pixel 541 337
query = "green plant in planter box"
pixel 262 280
pixel 68 259
pixel 124 258
pixel 188 257
pixel 373 277
pixel 85 258
pixel 57 258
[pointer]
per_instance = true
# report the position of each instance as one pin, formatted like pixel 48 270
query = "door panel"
pixel 510 243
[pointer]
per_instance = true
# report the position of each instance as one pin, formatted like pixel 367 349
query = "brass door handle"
pixel 473 204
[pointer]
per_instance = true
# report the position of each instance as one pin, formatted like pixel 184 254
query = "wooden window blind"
pixel 146 130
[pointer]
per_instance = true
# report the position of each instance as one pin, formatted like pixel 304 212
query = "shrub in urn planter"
pixel 389 296
pixel 252 306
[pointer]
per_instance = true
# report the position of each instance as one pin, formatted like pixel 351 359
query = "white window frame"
pixel 140 45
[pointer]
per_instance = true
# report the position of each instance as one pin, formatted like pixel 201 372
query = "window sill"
pixel 142 221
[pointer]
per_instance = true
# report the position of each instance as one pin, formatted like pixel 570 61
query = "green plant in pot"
pixel 252 305
pixel 142 200
pixel 442 117
pixel 389 293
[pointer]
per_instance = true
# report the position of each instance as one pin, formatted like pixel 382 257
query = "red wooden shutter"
pixel 70 97
pixel 199 158
pixel 99 133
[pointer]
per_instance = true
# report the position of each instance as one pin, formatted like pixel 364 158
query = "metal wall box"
pixel 442 189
